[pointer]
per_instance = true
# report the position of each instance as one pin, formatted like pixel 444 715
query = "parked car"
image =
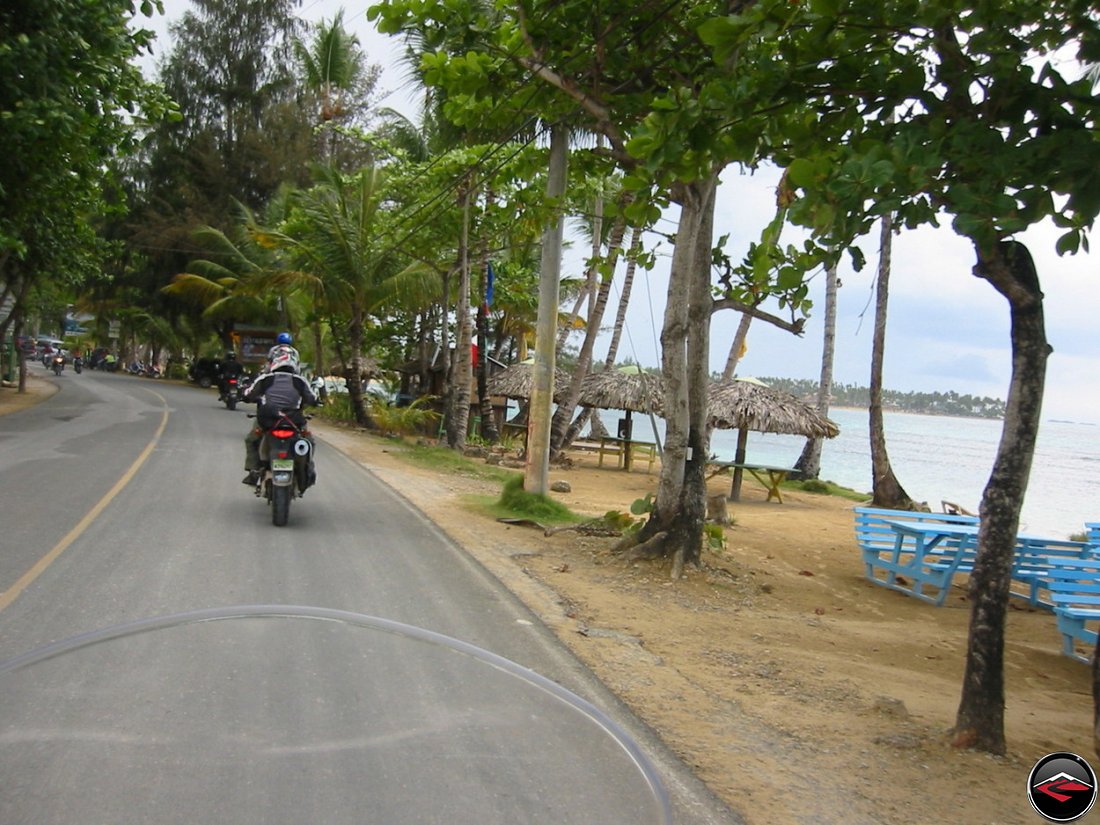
pixel 205 371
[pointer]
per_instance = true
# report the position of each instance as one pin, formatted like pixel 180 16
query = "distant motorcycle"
pixel 78 364
pixel 286 453
pixel 231 393
pixel 57 364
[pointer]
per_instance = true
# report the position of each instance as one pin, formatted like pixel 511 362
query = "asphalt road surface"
pixel 337 695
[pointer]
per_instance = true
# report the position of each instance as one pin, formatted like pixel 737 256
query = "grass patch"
pixel 515 502
pixel 446 460
pixel 826 488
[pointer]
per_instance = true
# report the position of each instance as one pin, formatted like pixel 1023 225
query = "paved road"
pixel 120 500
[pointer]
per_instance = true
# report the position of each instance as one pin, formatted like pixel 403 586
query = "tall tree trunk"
pixel 616 336
pixel 675 526
pixel 485 404
pixel 319 367
pixel 353 375
pixel 589 292
pixel 536 473
pixel 568 405
pixel 809 463
pixel 979 722
pixel 458 412
pixel 737 347
pixel 886 489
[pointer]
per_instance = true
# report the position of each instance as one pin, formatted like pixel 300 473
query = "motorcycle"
pixel 78 364
pixel 286 455
pixel 231 393
pixel 57 363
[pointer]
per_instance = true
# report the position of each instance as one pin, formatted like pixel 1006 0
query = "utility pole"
pixel 536 477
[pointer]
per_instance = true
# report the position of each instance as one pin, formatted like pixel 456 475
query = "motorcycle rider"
pixel 280 390
pixel 230 368
pixel 283 344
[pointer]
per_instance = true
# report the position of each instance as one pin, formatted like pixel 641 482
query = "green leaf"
pixel 1069 243
pixel 802 173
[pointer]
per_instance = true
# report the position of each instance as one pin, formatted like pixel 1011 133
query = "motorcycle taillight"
pixel 232 380
pixel 284 454
pixel 283 433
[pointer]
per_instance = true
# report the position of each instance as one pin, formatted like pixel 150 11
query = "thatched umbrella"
pixel 518 381
pixel 752 405
pixel 627 389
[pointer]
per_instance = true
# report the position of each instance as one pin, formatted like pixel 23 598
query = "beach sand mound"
pixel 798 691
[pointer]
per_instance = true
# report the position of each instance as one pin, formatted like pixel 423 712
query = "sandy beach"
pixel 798 691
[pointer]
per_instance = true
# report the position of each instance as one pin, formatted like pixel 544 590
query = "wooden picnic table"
pixel 624 450
pixel 929 553
pixel 770 477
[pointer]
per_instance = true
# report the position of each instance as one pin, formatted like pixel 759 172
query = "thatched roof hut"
pixel 752 405
pixel 518 381
pixel 745 405
pixel 617 390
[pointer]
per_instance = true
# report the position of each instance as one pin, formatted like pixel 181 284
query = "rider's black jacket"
pixel 280 392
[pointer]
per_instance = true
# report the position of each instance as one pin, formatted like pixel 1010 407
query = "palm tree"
pixel 809 463
pixel 224 285
pixel 887 490
pixel 335 69
pixel 340 240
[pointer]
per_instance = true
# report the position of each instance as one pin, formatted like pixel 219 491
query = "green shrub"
pixel 337 408
pixel 531 505
pixel 176 371
pixel 402 421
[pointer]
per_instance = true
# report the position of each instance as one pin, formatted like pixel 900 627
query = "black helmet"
pixel 230 356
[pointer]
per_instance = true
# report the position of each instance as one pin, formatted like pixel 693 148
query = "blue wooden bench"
pixel 1075 592
pixel 1035 560
pixel 1092 530
pixel 890 559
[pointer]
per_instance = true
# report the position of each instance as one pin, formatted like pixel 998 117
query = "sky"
pixel 947 330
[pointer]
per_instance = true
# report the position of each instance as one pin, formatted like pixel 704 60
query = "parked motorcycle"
pixel 286 453
pixel 57 364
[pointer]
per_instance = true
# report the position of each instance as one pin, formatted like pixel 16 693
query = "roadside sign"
pixel 253 342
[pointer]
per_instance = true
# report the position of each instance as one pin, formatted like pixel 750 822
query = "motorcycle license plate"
pixel 285 465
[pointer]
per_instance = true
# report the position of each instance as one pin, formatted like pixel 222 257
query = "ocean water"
pixel 937 458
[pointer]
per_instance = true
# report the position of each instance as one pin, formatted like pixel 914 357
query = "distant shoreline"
pixel 965 417
pixel 928 413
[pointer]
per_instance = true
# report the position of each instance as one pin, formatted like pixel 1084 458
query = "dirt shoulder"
pixel 798 691
pixel 37 389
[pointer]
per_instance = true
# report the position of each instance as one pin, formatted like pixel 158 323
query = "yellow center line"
pixel 28 578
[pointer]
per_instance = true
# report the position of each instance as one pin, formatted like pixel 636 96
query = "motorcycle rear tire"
pixel 280 505
pixel 231 404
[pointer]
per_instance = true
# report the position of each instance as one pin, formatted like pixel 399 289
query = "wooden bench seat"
pixel 1075 594
pixel 616 448
pixel 1037 558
